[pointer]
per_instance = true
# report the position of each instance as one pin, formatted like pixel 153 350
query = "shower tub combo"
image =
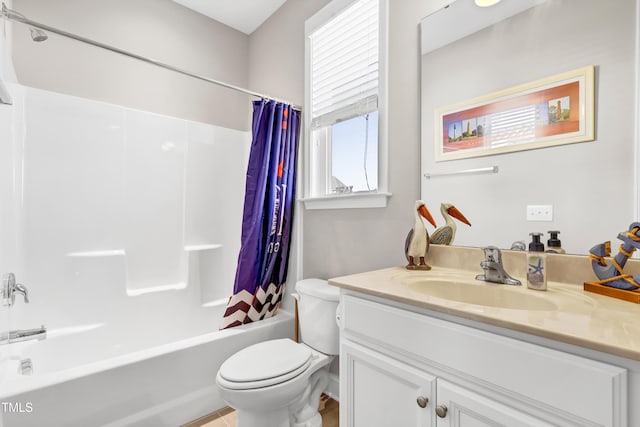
pixel 125 229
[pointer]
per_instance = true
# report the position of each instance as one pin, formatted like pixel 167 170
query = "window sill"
pixel 347 201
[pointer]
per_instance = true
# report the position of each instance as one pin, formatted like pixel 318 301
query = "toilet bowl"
pixel 278 383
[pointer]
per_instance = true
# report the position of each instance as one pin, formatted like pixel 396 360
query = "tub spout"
pixel 19 335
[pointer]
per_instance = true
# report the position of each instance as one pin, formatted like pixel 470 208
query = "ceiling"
pixel 243 15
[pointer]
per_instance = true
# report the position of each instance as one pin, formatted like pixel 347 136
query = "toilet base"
pixel 315 421
pixel 303 412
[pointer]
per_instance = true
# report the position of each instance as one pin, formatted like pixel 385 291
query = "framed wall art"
pixel 547 112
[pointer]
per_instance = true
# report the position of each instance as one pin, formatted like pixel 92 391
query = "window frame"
pixel 373 199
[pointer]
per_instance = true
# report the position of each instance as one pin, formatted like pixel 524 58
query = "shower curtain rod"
pixel 12 15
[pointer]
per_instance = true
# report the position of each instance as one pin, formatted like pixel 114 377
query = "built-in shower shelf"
pixel 158 288
pixel 97 254
pixel 208 247
pixel 215 303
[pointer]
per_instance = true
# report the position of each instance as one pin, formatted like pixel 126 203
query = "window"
pixel 345 123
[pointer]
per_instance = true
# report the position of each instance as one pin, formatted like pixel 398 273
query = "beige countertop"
pixel 565 312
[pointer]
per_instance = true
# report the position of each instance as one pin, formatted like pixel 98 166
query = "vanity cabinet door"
pixel 459 407
pixel 378 391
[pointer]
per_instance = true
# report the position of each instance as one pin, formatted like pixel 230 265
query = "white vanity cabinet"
pixel 383 391
pixel 458 406
pixel 386 392
pixel 404 366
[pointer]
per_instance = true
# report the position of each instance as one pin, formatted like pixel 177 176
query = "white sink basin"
pixel 480 293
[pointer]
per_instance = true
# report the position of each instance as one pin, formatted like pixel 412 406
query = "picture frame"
pixel 551 111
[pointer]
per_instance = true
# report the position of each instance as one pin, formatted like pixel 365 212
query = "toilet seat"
pixel 265 364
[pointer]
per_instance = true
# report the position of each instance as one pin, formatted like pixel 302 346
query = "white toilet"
pixel 278 383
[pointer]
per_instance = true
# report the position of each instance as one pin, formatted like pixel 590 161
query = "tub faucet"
pixel 10 288
pixel 23 335
pixel 493 268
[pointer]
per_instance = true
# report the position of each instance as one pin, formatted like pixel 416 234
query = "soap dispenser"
pixel 536 264
pixel 553 244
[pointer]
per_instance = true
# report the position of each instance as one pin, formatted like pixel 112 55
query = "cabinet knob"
pixel 441 411
pixel 422 401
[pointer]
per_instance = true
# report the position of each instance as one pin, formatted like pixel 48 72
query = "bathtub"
pixel 109 375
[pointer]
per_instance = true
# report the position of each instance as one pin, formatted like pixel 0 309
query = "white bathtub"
pixel 95 375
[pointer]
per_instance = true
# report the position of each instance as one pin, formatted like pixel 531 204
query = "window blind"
pixel 344 65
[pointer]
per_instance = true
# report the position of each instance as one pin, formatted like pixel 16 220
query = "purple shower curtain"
pixel 268 215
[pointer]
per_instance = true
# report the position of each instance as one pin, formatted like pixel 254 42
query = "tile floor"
pixel 226 417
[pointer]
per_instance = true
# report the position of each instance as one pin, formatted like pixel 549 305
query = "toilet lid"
pixel 265 363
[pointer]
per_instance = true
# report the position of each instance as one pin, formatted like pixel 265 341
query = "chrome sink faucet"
pixel 493 268
pixel 23 335
pixel 10 288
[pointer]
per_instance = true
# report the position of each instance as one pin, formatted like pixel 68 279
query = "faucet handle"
pixel 10 288
pixel 8 282
pixel 518 245
pixel 22 290
pixel 492 254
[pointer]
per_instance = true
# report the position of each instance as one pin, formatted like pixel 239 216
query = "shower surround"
pixel 125 228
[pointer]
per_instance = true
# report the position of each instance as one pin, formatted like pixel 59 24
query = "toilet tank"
pixel 317 305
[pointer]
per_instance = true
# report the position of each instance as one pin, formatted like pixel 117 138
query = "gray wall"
pixel 159 29
pixel 276 66
pixel 590 184
pixel 338 242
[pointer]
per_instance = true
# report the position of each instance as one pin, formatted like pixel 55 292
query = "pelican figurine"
pixel 447 233
pixel 612 275
pixel 417 243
